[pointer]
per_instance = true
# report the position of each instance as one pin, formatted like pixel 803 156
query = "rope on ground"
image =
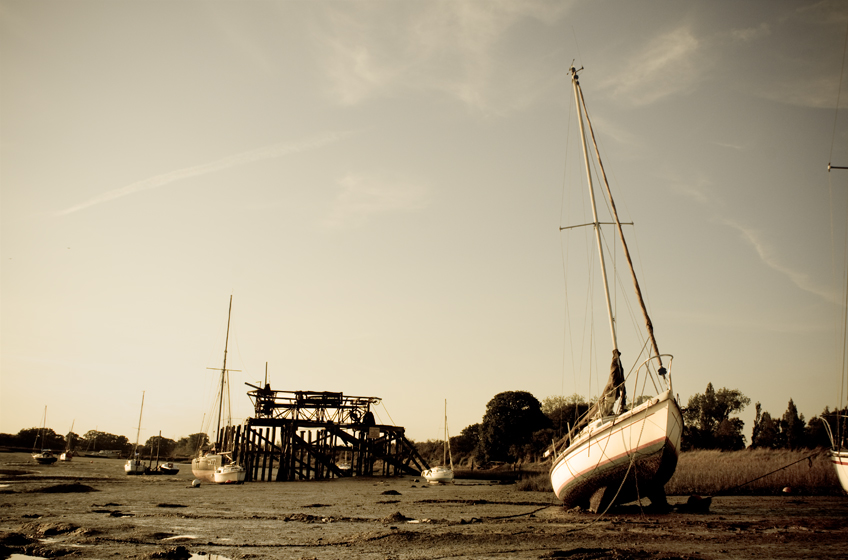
pixel 522 514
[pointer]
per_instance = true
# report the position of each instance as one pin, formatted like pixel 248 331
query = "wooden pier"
pixel 313 435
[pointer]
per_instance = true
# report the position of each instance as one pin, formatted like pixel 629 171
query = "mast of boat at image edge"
pixel 838 456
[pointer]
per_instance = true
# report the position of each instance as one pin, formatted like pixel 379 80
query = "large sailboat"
pixel 444 472
pixel 206 464
pixel 614 454
pixel 68 453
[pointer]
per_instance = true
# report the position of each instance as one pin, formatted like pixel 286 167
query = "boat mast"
pixel 41 434
pixel 223 377
pixel 648 324
pixel 445 448
pixel 138 431
pixel 578 98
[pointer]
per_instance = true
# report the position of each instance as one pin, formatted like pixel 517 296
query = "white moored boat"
pixel 134 464
pixel 230 473
pixel 443 473
pixel 68 453
pixel 614 454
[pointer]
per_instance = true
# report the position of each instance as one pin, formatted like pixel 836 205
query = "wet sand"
pixel 88 508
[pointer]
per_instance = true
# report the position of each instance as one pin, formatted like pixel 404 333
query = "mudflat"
pixel 88 508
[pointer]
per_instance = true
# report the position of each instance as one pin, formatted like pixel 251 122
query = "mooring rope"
pixel 807 458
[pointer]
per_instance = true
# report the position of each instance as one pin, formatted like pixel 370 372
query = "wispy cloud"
pixel 737 147
pixel 770 258
pixel 751 33
pixel 696 188
pixel 361 198
pixel 267 152
pixel 665 66
pixel 442 46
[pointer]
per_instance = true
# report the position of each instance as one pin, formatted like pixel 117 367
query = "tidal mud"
pixel 88 508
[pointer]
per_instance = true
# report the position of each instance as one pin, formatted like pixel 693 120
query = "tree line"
pixel 94 441
pixel 517 427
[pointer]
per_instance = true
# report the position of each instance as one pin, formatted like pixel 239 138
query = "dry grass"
pixel 713 473
pixel 535 483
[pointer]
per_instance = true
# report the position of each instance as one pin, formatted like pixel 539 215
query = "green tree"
pixel 793 427
pixel 707 422
pixel 94 441
pixel 431 451
pixel 767 432
pixel 190 445
pixel 564 412
pixel 510 420
pixel 816 433
pixel 32 438
pixel 466 442
pixel 161 445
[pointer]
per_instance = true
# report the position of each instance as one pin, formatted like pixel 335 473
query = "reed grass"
pixel 535 483
pixel 750 472
pixel 754 472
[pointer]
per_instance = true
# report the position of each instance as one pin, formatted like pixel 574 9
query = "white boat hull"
pixel 230 474
pixel 438 475
pixel 204 467
pixel 840 463
pixel 630 456
pixel 134 467
pixel 167 468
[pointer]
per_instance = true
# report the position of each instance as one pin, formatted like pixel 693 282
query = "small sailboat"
pixel 344 462
pixel 444 472
pixel 614 454
pixel 161 468
pixel 68 453
pixel 134 464
pixel 45 456
pixel 230 472
pixel 206 465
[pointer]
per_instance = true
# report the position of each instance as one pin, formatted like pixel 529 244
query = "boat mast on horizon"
pixel 205 465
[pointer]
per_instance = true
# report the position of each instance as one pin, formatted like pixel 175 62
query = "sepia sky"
pixel 380 186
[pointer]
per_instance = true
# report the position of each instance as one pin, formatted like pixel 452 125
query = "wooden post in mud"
pixel 264 455
pixel 271 455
